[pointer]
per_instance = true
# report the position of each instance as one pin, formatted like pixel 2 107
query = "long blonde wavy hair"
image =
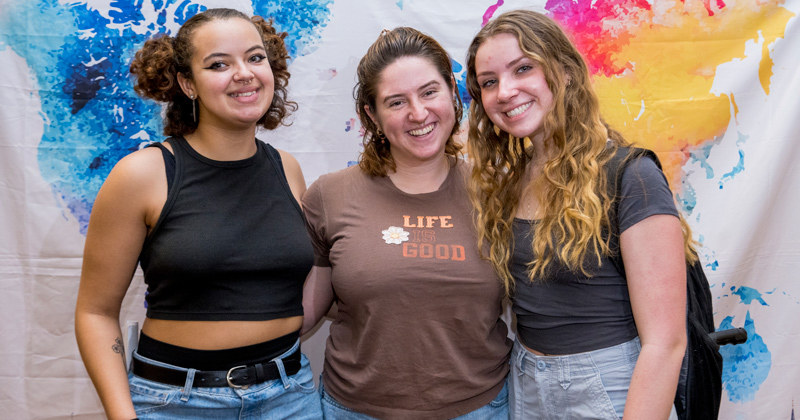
pixel 572 187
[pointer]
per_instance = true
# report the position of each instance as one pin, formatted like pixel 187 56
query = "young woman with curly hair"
pixel 591 342
pixel 212 215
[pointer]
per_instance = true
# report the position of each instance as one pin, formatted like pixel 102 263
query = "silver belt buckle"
pixel 229 377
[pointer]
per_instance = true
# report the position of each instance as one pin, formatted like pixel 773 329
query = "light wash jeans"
pixel 497 409
pixel 591 385
pixel 290 397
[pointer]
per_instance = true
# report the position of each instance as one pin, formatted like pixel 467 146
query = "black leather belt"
pixel 235 377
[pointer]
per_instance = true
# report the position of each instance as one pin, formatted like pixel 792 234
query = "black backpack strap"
pixel 169 163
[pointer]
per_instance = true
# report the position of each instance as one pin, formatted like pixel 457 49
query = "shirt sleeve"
pixel 644 193
pixel 314 208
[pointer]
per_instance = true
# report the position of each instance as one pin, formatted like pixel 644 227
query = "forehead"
pixel 225 34
pixel 407 74
pixel 498 49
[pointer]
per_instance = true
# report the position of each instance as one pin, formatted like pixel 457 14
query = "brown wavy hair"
pixel 156 66
pixel 376 159
pixel 572 188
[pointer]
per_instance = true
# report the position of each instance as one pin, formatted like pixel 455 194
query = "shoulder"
pixel 340 178
pixel 462 168
pixel 137 182
pixel 339 186
pixel 140 166
pixel 287 159
pixel 291 171
pixel 290 165
pixel 643 167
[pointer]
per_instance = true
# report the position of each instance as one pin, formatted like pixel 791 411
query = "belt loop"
pixel 520 362
pixel 282 370
pixel 187 387
pixel 279 363
pixel 564 372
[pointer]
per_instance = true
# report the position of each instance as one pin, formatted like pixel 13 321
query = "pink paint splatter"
pixel 600 30
pixel 707 4
pixel 327 74
pixel 349 124
pixel 490 12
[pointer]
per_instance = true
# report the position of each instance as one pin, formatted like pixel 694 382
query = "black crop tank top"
pixel 230 243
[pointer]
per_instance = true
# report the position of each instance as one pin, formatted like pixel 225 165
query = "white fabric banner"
pixel 710 85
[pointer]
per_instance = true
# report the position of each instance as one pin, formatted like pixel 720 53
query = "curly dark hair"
pixel 157 64
pixel 376 159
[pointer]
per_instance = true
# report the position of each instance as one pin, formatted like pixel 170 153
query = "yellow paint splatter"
pixel 665 102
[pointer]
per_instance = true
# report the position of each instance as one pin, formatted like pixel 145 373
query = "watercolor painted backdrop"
pixel 711 85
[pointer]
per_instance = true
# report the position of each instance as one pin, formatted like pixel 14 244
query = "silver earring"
pixel 194 110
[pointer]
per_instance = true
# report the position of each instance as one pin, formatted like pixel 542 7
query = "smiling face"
pixel 232 80
pixel 414 107
pixel 513 88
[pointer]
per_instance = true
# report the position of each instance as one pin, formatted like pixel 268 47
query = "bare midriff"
pixel 538 353
pixel 219 335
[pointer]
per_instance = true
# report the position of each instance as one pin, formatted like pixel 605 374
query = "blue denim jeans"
pixel 290 397
pixel 591 385
pixel 497 409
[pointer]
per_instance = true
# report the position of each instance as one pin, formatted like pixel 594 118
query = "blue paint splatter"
pixel 687 200
pixel 712 257
pixel 349 124
pixel 302 20
pixel 748 295
pixel 745 366
pixel 701 155
pixel 92 116
pixel 739 165
pixel 461 83
pixel 400 4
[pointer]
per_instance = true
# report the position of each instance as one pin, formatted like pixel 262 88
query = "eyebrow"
pixel 510 64
pixel 219 54
pixel 421 88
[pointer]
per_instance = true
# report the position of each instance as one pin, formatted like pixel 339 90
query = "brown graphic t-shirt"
pixel 418 333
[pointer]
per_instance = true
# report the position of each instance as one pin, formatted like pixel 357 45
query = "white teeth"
pixel 422 131
pixel 236 95
pixel 518 110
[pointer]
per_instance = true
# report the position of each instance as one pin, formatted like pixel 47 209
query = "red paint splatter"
pixel 707 5
pixel 490 12
pixel 584 22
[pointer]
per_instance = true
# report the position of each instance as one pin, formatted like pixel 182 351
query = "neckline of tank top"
pixel 182 142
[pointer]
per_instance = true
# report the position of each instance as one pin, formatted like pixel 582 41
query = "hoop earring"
pixel 381 136
pixel 194 114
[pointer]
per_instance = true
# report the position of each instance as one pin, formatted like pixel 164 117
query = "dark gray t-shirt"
pixel 569 312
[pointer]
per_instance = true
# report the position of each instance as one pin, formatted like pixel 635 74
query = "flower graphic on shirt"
pixel 394 235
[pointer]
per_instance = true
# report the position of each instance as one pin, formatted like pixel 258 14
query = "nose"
pixel 243 74
pixel 417 112
pixel 506 90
